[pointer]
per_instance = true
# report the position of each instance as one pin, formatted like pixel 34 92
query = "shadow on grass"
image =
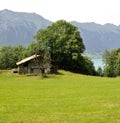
pixel 45 76
pixel 59 73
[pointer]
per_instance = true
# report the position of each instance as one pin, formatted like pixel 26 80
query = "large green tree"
pixel 64 43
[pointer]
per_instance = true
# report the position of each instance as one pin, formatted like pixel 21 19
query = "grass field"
pixel 63 98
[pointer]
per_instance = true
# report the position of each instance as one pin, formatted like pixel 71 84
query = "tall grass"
pixel 63 98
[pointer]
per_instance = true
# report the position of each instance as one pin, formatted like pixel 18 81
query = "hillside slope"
pixel 62 98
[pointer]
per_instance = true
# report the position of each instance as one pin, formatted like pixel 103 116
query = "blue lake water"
pixel 97 62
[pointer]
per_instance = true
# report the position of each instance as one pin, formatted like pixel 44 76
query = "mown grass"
pixel 62 98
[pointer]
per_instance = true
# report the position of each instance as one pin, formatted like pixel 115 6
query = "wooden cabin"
pixel 29 65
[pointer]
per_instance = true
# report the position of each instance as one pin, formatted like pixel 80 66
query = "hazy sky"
pixel 99 11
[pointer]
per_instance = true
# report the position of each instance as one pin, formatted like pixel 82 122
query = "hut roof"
pixel 27 59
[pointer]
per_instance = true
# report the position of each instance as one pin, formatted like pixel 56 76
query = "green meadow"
pixel 62 98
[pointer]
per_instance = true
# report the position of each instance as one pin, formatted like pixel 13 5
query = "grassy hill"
pixel 62 98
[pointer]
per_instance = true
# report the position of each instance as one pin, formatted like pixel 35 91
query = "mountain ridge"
pixel 20 27
pixel 99 38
